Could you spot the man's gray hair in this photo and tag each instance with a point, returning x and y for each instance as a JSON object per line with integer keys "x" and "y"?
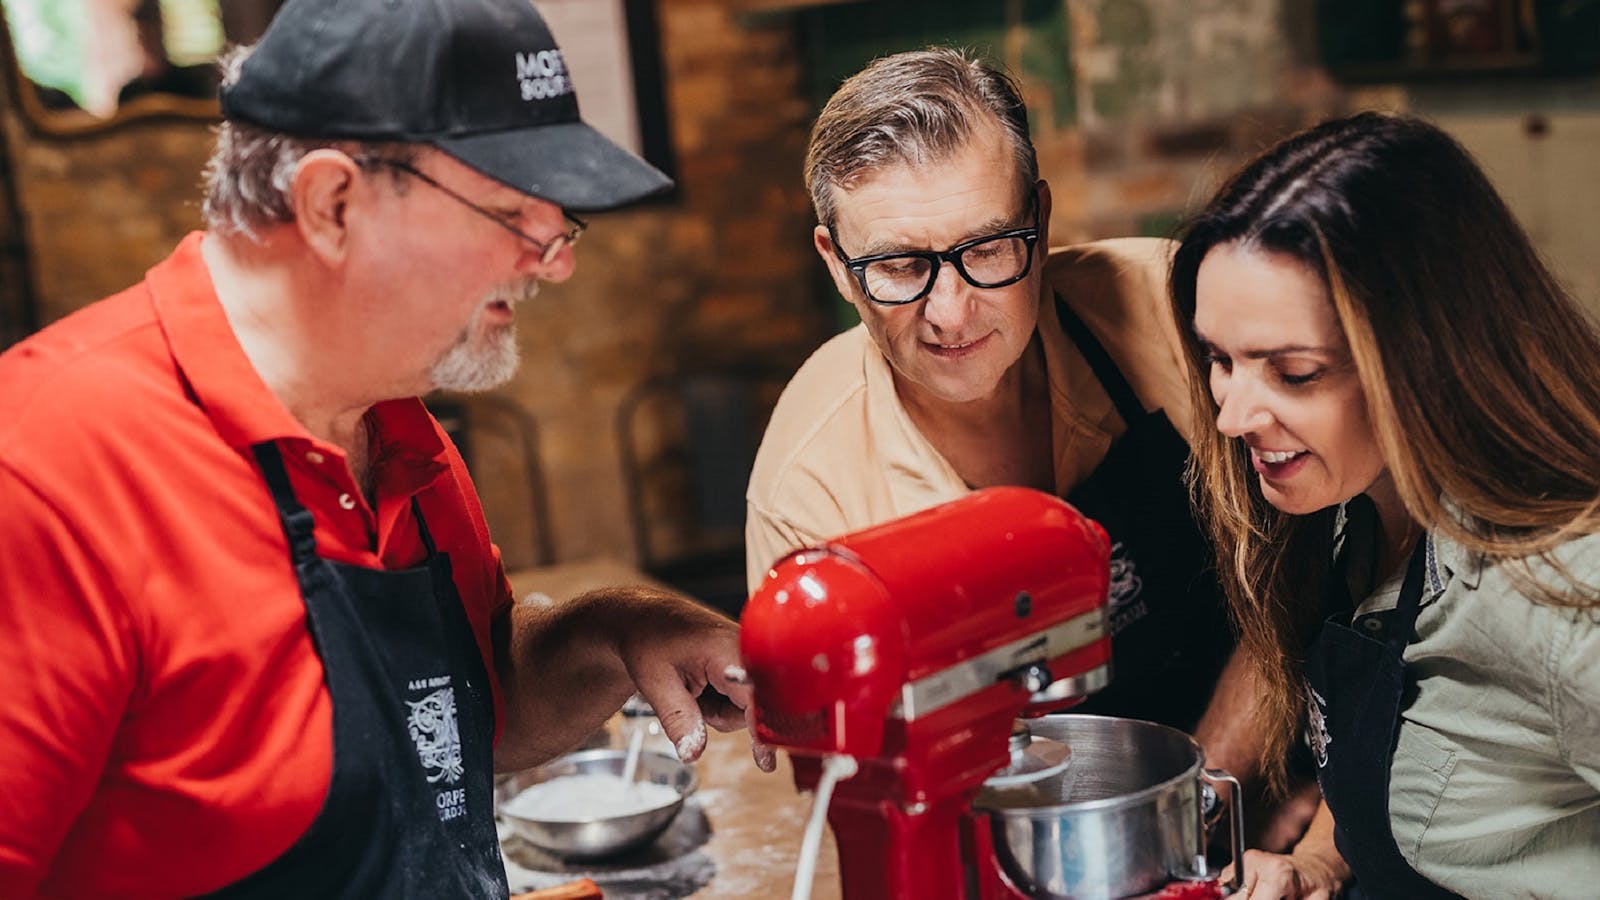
{"x": 251, "y": 169}
{"x": 911, "y": 108}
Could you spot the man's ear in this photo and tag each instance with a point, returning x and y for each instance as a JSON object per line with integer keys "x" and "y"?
{"x": 1043, "y": 187}
{"x": 324, "y": 185}
{"x": 823, "y": 241}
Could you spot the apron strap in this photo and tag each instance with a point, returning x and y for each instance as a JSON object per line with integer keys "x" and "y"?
{"x": 1359, "y": 554}
{"x": 1100, "y": 362}
{"x": 1351, "y": 575}
{"x": 422, "y": 527}
{"x": 298, "y": 523}
{"x": 1411, "y": 594}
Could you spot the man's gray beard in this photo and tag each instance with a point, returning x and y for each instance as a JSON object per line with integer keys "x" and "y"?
{"x": 484, "y": 362}
{"x": 478, "y": 365}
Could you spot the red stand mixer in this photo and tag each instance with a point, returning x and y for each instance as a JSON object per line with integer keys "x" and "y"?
{"x": 913, "y": 647}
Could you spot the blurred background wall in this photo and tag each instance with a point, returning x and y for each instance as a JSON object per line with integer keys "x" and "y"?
{"x": 1139, "y": 108}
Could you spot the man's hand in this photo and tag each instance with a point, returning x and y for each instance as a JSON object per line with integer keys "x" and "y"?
{"x": 684, "y": 659}
{"x": 564, "y": 668}
{"x": 1269, "y": 876}
{"x": 1314, "y": 871}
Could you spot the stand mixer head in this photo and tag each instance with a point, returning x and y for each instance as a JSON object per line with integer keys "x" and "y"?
{"x": 912, "y": 647}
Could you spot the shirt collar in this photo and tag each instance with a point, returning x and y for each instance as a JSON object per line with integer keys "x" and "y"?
{"x": 1081, "y": 412}
{"x": 408, "y": 442}
{"x": 916, "y": 474}
{"x": 244, "y": 410}
{"x": 208, "y": 354}
{"x": 1449, "y": 560}
{"x": 1445, "y": 560}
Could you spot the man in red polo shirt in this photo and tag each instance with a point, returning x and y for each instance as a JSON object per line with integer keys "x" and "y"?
{"x": 256, "y": 640}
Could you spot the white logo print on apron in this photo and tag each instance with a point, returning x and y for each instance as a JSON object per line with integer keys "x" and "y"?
{"x": 432, "y": 723}
{"x": 1317, "y": 737}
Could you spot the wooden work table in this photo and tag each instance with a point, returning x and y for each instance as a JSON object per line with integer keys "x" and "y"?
{"x": 738, "y": 838}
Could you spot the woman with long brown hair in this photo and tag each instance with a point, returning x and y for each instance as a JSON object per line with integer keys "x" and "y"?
{"x": 1403, "y": 487}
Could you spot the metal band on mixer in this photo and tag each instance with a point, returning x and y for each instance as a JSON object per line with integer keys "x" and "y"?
{"x": 932, "y": 692}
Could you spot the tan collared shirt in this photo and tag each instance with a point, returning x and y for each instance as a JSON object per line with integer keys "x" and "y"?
{"x": 1495, "y": 786}
{"x": 840, "y": 453}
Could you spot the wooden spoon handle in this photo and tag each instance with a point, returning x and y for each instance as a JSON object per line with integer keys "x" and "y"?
{"x": 582, "y": 889}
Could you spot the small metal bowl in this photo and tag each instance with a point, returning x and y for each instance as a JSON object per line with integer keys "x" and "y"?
{"x": 594, "y": 838}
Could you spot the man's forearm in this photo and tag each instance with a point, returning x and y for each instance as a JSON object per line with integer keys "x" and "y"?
{"x": 560, "y": 674}
{"x": 1318, "y": 857}
{"x": 564, "y": 669}
{"x": 1231, "y": 735}
{"x": 1228, "y": 731}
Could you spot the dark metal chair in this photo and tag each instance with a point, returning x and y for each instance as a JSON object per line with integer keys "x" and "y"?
{"x": 500, "y": 442}
{"x": 687, "y": 442}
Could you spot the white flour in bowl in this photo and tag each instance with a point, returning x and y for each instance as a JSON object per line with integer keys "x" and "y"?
{"x": 583, "y": 798}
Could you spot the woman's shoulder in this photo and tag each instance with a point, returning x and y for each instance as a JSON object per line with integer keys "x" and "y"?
{"x": 1581, "y": 557}
{"x": 1492, "y": 625}
{"x": 1571, "y": 569}
{"x": 1528, "y": 614}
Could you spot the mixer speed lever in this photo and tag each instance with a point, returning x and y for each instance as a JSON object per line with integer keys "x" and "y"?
{"x": 1034, "y": 677}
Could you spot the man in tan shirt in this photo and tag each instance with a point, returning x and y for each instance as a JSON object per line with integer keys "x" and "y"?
{"x": 842, "y": 451}
{"x": 982, "y": 361}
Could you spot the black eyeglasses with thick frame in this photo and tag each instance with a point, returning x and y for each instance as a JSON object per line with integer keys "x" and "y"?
{"x": 548, "y": 249}
{"x": 1029, "y": 236}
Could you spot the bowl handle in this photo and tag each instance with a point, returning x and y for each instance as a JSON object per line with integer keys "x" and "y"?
{"x": 1235, "y": 820}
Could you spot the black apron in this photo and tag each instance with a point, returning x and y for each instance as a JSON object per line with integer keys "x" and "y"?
{"x": 410, "y": 808}
{"x": 1357, "y": 676}
{"x": 1169, "y": 618}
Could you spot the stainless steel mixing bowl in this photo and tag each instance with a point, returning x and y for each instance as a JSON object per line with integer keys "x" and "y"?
{"x": 598, "y": 837}
{"x": 1127, "y": 816}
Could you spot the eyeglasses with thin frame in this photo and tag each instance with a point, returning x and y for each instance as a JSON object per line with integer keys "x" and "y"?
{"x": 548, "y": 250}
{"x": 990, "y": 261}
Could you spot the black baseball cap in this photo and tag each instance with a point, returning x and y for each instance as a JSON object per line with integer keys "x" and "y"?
{"x": 482, "y": 80}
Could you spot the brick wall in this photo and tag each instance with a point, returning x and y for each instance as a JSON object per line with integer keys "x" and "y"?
{"x": 100, "y": 209}
{"x": 721, "y": 276}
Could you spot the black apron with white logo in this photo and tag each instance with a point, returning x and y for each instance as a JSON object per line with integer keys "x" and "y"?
{"x": 410, "y": 807}
{"x": 1357, "y": 678}
{"x": 1169, "y": 619}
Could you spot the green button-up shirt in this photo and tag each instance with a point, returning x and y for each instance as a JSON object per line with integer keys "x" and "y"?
{"x": 1495, "y": 786}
